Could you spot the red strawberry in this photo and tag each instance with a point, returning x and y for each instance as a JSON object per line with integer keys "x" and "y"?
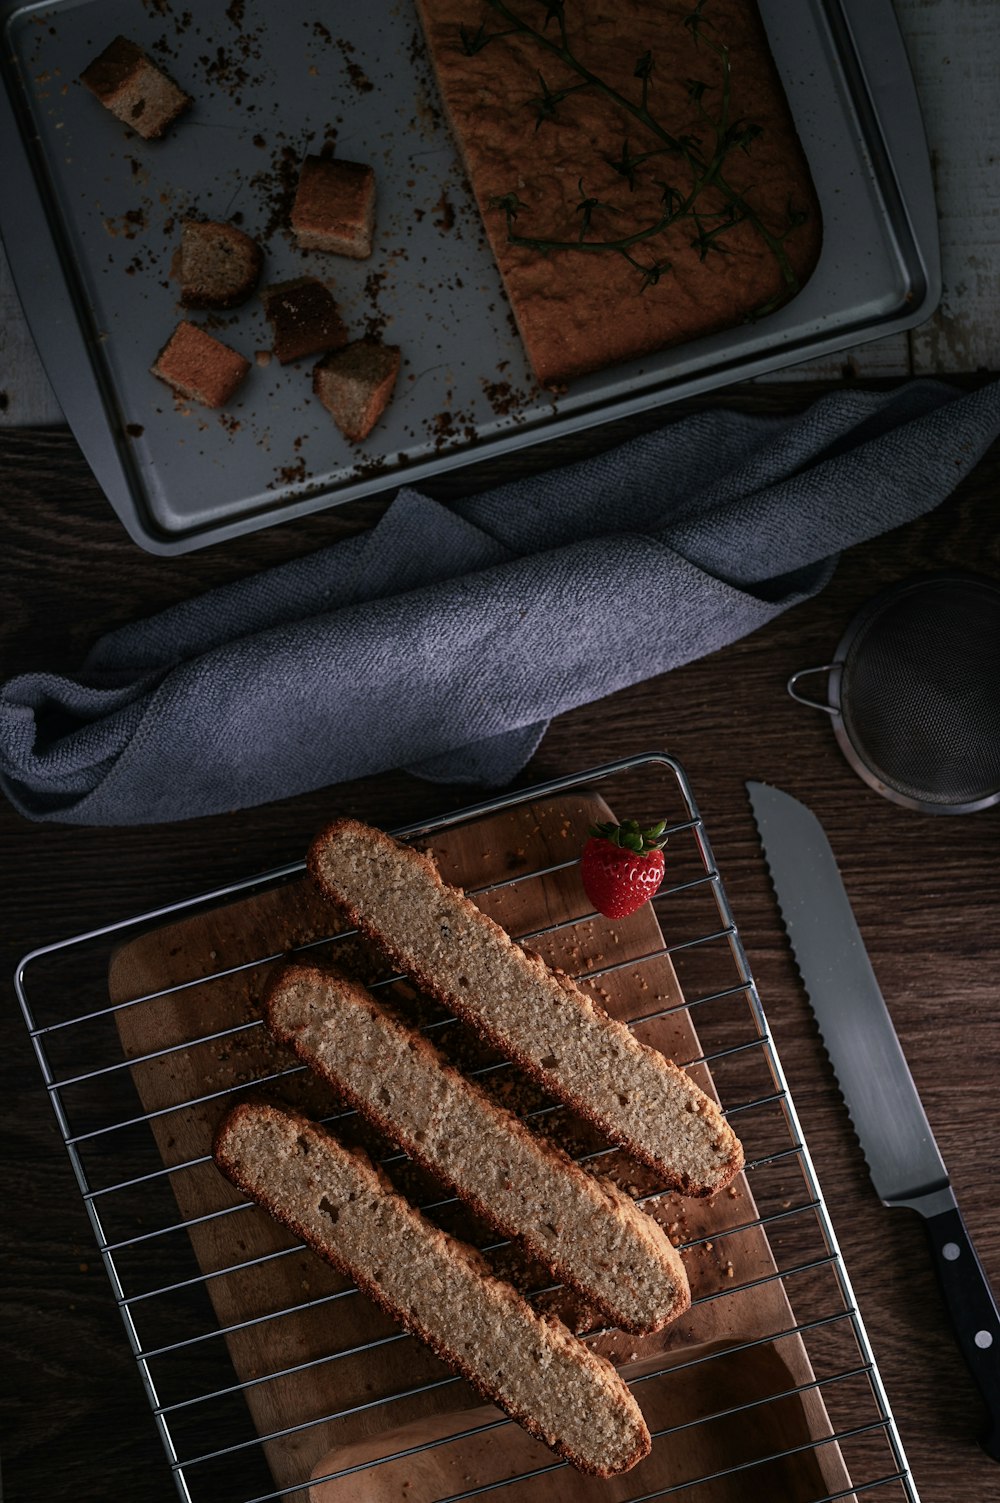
{"x": 622, "y": 866}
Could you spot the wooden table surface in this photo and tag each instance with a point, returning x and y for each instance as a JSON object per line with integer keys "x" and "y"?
{"x": 925, "y": 890}
{"x": 76, "y": 1423}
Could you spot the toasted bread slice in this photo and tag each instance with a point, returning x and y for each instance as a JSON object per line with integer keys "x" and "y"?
{"x": 581, "y": 1226}
{"x": 436, "y": 1287}
{"x": 540, "y": 1018}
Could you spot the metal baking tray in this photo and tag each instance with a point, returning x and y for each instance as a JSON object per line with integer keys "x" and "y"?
{"x": 734, "y": 1440}
{"x": 89, "y": 216}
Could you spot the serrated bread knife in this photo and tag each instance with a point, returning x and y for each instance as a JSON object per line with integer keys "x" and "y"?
{"x": 903, "y": 1158}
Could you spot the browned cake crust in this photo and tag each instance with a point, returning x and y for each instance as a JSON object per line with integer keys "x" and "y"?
{"x": 540, "y": 1018}
{"x": 581, "y": 165}
{"x": 581, "y": 1226}
{"x": 438, "y": 1288}
{"x": 135, "y": 89}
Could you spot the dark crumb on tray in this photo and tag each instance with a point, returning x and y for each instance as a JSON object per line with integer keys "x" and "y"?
{"x": 278, "y": 185}
{"x": 359, "y": 78}
{"x": 445, "y": 213}
{"x": 293, "y": 474}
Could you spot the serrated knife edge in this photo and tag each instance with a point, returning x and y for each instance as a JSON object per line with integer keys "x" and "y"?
{"x": 805, "y": 984}
{"x": 854, "y": 1023}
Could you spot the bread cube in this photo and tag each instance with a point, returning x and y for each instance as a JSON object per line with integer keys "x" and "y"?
{"x": 334, "y": 208}
{"x": 135, "y": 89}
{"x": 200, "y": 367}
{"x": 355, "y": 385}
{"x": 304, "y": 319}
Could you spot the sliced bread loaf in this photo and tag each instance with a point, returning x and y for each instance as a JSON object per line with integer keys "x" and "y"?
{"x": 581, "y": 1226}
{"x": 436, "y": 1287}
{"x": 540, "y": 1018}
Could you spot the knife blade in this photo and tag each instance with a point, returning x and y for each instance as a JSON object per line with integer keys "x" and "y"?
{"x": 905, "y": 1164}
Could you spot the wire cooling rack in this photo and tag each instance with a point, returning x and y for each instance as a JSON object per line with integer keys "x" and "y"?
{"x": 199, "y": 1400}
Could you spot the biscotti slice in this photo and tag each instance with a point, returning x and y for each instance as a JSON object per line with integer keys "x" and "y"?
{"x": 436, "y": 1287}
{"x": 541, "y": 1019}
{"x": 334, "y": 207}
{"x": 200, "y": 367}
{"x": 219, "y": 264}
{"x": 585, "y": 1229}
{"x": 355, "y": 385}
{"x": 304, "y": 319}
{"x": 135, "y": 89}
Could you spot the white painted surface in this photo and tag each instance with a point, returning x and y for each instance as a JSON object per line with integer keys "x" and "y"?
{"x": 954, "y": 48}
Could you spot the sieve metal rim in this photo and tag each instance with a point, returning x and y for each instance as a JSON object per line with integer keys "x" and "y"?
{"x": 859, "y": 623}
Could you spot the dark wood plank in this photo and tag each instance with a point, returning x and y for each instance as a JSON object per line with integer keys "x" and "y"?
{"x": 925, "y": 891}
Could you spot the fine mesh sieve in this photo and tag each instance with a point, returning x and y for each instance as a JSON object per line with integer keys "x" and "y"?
{"x": 914, "y": 693}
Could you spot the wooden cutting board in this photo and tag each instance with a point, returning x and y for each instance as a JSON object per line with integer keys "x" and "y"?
{"x": 373, "y": 1390}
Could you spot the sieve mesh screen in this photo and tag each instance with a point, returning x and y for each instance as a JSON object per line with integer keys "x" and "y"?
{"x": 920, "y": 691}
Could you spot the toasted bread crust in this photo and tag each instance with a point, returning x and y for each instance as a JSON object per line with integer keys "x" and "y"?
{"x": 580, "y": 1226}
{"x": 679, "y": 1122}
{"x": 276, "y": 1156}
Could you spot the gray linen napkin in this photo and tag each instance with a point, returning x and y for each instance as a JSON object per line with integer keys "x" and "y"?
{"x": 445, "y": 639}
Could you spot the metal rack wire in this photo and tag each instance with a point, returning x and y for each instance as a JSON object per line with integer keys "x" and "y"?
{"x": 198, "y": 1398}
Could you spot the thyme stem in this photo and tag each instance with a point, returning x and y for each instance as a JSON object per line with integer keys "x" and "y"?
{"x": 704, "y": 175}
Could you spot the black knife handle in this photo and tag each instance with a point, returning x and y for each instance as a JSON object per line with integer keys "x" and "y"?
{"x": 973, "y": 1311}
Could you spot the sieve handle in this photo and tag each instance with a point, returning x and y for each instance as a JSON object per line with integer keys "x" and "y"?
{"x": 803, "y": 699}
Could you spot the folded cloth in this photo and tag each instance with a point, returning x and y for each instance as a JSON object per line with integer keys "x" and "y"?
{"x": 445, "y": 639}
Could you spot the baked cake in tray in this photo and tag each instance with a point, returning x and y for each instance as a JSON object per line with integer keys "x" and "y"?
{"x": 636, "y": 166}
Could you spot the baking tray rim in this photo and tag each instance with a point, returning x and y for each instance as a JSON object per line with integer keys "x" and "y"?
{"x": 863, "y": 29}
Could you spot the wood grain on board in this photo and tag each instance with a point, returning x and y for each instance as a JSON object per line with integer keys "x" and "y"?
{"x": 296, "y": 1379}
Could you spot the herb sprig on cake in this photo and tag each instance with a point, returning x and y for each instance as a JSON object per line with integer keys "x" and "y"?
{"x": 636, "y": 165}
